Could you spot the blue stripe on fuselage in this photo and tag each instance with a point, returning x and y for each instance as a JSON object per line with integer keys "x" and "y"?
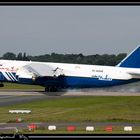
{"x": 81, "y": 82}
{"x": 4, "y": 79}
{"x": 70, "y": 81}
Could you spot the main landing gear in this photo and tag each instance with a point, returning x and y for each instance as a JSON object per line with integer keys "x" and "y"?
{"x": 51, "y": 89}
{"x": 1, "y": 85}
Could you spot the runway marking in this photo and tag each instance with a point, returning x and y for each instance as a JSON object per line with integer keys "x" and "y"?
{"x": 20, "y": 93}
{"x": 101, "y": 94}
{"x": 6, "y": 97}
{"x": 67, "y": 94}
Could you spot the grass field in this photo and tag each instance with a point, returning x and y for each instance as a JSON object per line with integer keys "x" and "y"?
{"x": 15, "y": 86}
{"x": 78, "y": 109}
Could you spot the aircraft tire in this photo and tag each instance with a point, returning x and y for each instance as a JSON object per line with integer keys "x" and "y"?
{"x": 1, "y": 85}
{"x": 51, "y": 89}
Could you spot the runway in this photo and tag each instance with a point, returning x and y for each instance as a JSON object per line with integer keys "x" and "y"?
{"x": 16, "y": 97}
{"x": 11, "y": 97}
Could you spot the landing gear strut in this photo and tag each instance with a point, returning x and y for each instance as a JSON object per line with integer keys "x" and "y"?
{"x": 1, "y": 85}
{"x": 51, "y": 89}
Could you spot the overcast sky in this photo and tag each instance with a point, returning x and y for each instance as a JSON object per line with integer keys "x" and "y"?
{"x": 39, "y": 30}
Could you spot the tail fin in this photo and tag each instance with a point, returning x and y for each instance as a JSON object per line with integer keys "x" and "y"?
{"x": 132, "y": 60}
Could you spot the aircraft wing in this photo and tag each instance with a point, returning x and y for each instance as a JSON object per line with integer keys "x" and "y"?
{"x": 39, "y": 70}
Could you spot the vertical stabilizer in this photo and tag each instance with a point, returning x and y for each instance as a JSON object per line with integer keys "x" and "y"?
{"x": 132, "y": 60}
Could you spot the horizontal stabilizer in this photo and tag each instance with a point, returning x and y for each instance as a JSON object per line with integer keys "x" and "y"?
{"x": 135, "y": 75}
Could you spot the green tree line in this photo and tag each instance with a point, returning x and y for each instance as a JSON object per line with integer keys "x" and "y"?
{"x": 96, "y": 59}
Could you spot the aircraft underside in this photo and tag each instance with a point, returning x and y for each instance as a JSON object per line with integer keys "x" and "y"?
{"x": 54, "y": 84}
{"x": 63, "y": 82}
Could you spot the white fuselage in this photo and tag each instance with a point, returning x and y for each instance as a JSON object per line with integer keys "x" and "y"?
{"x": 76, "y": 70}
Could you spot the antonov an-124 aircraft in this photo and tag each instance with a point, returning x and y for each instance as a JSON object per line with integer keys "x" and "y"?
{"x": 57, "y": 76}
